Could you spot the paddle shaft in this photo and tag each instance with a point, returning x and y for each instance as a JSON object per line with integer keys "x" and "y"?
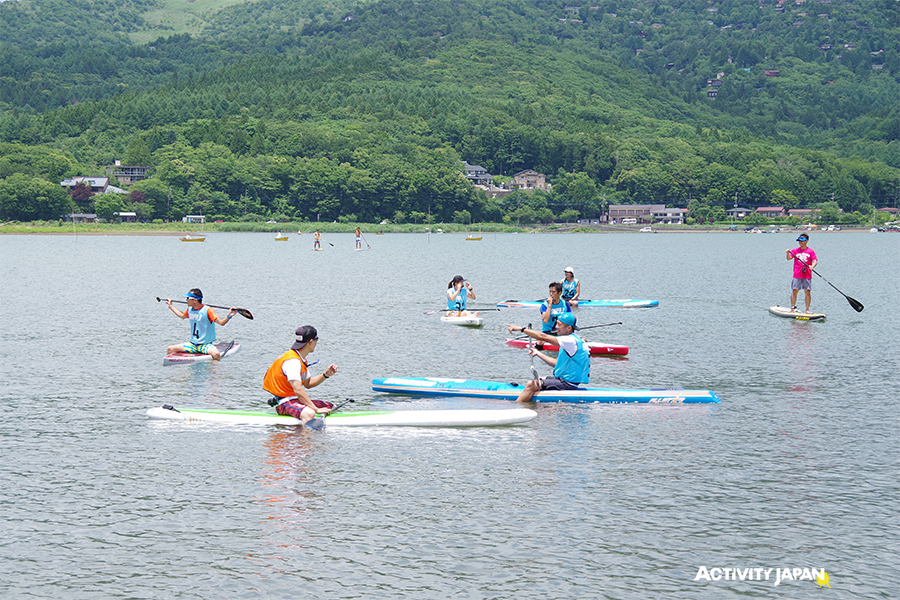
{"x": 856, "y": 304}
{"x": 553, "y": 331}
{"x": 241, "y": 311}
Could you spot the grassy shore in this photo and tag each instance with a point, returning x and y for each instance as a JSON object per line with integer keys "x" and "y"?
{"x": 62, "y": 228}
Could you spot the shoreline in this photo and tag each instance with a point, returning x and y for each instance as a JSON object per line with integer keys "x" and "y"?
{"x": 117, "y": 230}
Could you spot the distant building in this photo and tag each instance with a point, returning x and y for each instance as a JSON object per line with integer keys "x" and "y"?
{"x": 771, "y": 212}
{"x": 477, "y": 174}
{"x": 771, "y": 72}
{"x": 671, "y": 216}
{"x": 80, "y": 217}
{"x": 126, "y": 217}
{"x": 129, "y": 175}
{"x": 529, "y": 179}
{"x": 97, "y": 185}
{"x": 643, "y": 213}
{"x": 193, "y": 219}
{"x": 738, "y": 212}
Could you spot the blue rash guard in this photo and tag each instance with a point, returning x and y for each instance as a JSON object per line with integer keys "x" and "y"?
{"x": 203, "y": 331}
{"x": 569, "y": 288}
{"x": 557, "y": 309}
{"x": 460, "y": 302}
{"x": 574, "y": 368}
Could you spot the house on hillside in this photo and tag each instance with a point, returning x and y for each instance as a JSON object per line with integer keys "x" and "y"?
{"x": 477, "y": 174}
{"x": 97, "y": 185}
{"x": 529, "y": 179}
{"x": 128, "y": 175}
{"x": 771, "y": 212}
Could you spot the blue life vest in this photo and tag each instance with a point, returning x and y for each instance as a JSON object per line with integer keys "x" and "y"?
{"x": 574, "y": 369}
{"x": 203, "y": 331}
{"x": 569, "y": 288}
{"x": 460, "y": 302}
{"x": 556, "y": 310}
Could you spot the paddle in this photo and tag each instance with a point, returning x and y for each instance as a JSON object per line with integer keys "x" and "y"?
{"x": 534, "y": 372}
{"x": 856, "y": 304}
{"x": 318, "y": 423}
{"x": 241, "y": 311}
{"x": 364, "y": 239}
{"x": 432, "y": 312}
{"x": 553, "y": 332}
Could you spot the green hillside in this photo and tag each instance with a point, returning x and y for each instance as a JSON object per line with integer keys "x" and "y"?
{"x": 310, "y": 109}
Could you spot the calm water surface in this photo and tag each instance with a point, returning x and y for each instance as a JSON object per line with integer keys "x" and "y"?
{"x": 797, "y": 467}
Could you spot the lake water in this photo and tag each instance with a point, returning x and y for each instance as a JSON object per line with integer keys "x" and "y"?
{"x": 796, "y": 468}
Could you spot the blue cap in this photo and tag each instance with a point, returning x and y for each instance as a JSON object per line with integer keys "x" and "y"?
{"x": 803, "y": 238}
{"x": 567, "y": 318}
{"x": 194, "y": 296}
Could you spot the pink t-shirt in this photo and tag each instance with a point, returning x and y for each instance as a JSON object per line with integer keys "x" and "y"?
{"x": 801, "y": 271}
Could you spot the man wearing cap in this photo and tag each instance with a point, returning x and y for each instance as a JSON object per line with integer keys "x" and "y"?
{"x": 203, "y": 325}
{"x": 288, "y": 378}
{"x": 804, "y": 262}
{"x": 572, "y": 365}
{"x": 571, "y": 287}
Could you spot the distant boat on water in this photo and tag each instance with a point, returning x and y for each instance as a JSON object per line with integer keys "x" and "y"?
{"x": 190, "y": 238}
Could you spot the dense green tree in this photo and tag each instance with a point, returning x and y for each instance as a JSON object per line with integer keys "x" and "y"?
{"x": 25, "y": 198}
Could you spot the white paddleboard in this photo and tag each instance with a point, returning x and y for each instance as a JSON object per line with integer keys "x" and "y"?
{"x": 785, "y": 313}
{"x": 184, "y": 358}
{"x": 466, "y": 321}
{"x": 375, "y": 418}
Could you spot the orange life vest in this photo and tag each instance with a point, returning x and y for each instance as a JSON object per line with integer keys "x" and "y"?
{"x": 275, "y": 382}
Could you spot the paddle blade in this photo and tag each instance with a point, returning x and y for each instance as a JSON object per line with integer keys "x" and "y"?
{"x": 315, "y": 424}
{"x": 244, "y": 313}
{"x": 856, "y": 304}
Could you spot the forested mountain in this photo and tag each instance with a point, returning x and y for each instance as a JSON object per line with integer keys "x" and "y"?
{"x": 365, "y": 111}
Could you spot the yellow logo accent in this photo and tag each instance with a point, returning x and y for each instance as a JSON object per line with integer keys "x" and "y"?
{"x": 823, "y": 579}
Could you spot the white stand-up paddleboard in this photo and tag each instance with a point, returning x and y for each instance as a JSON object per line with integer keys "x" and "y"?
{"x": 466, "y": 321}
{"x": 374, "y": 418}
{"x": 184, "y": 358}
{"x": 785, "y": 313}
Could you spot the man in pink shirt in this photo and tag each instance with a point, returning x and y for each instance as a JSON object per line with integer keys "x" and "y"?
{"x": 804, "y": 262}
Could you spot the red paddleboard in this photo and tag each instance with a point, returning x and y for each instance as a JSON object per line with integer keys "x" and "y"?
{"x": 596, "y": 349}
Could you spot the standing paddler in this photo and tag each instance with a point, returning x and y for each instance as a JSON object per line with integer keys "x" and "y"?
{"x": 804, "y": 262}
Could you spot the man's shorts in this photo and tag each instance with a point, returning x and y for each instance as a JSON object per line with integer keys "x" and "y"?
{"x": 801, "y": 284}
{"x": 294, "y": 407}
{"x": 555, "y": 383}
{"x": 192, "y": 348}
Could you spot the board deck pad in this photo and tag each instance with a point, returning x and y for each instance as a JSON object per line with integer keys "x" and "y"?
{"x": 185, "y": 358}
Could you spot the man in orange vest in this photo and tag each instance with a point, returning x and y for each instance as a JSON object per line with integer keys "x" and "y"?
{"x": 288, "y": 379}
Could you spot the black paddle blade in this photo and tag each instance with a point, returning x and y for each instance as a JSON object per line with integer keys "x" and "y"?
{"x": 315, "y": 424}
{"x": 856, "y": 304}
{"x": 244, "y": 313}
